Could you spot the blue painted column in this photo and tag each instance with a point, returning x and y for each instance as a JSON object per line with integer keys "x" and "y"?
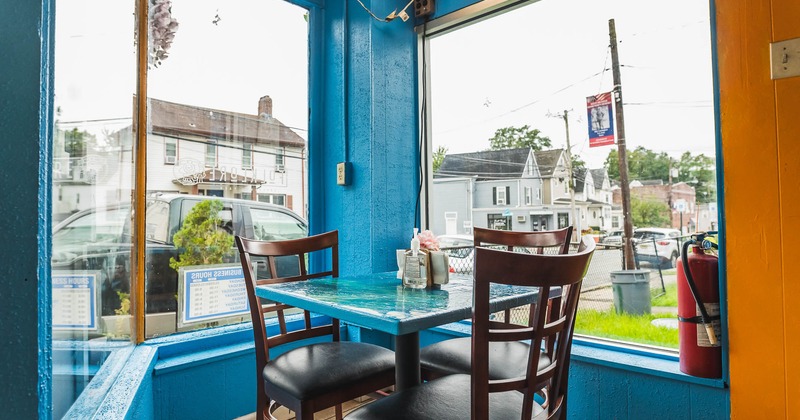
{"x": 369, "y": 118}
{"x": 25, "y": 122}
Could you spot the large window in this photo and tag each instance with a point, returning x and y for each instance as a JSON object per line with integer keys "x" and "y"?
{"x": 502, "y": 86}
{"x": 218, "y": 106}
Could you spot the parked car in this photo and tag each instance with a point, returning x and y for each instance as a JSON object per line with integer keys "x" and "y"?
{"x": 99, "y": 240}
{"x": 658, "y": 246}
{"x": 460, "y": 249}
{"x": 613, "y": 237}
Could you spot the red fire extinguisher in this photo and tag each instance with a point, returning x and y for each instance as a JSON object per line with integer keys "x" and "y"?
{"x": 698, "y": 309}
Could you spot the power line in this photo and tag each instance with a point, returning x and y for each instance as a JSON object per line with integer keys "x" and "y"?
{"x": 523, "y": 106}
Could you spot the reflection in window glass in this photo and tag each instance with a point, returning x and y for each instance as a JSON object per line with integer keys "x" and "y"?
{"x": 524, "y": 120}
{"x": 270, "y": 225}
{"x": 228, "y": 105}
{"x": 170, "y": 152}
{"x": 92, "y": 172}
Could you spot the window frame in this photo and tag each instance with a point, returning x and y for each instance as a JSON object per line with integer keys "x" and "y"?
{"x": 452, "y": 22}
{"x": 247, "y": 156}
{"x": 140, "y": 140}
{"x": 167, "y": 143}
{"x": 211, "y": 153}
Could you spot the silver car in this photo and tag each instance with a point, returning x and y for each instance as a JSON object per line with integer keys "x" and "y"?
{"x": 658, "y": 246}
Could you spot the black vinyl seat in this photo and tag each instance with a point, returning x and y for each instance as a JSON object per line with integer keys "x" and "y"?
{"x": 506, "y": 359}
{"x": 314, "y": 370}
{"x": 442, "y": 399}
{"x": 477, "y": 395}
{"x": 310, "y": 377}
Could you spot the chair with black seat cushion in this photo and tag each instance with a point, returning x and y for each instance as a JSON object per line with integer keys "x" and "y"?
{"x": 311, "y": 377}
{"x": 507, "y": 359}
{"x": 476, "y": 395}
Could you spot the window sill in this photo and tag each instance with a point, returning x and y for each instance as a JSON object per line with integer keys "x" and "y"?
{"x": 635, "y": 359}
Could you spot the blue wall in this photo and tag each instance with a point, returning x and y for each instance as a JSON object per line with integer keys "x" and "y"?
{"x": 368, "y": 117}
{"x": 25, "y": 177}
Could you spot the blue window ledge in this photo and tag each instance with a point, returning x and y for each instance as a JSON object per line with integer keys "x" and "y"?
{"x": 214, "y": 368}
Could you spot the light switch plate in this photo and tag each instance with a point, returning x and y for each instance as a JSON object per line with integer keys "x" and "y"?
{"x": 785, "y": 58}
{"x": 344, "y": 172}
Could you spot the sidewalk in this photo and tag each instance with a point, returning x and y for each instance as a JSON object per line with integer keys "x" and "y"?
{"x": 602, "y": 298}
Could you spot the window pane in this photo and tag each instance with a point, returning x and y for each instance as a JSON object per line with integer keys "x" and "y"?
{"x": 513, "y": 127}
{"x": 247, "y": 156}
{"x": 229, "y": 105}
{"x": 92, "y": 173}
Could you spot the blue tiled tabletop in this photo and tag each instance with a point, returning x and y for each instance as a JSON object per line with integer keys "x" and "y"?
{"x": 379, "y": 301}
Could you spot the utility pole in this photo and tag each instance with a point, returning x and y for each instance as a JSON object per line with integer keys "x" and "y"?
{"x": 576, "y": 231}
{"x": 669, "y": 196}
{"x": 623, "y": 159}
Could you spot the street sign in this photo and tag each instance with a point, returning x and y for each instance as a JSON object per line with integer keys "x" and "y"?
{"x": 601, "y": 125}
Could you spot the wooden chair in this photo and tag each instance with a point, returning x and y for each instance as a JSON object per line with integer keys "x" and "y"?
{"x": 477, "y": 395}
{"x": 507, "y": 360}
{"x": 311, "y": 377}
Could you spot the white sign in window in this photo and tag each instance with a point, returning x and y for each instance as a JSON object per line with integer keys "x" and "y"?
{"x": 75, "y": 297}
{"x": 209, "y": 293}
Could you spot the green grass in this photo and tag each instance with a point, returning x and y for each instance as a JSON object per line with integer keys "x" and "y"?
{"x": 668, "y": 299}
{"x": 632, "y": 328}
{"x": 626, "y": 327}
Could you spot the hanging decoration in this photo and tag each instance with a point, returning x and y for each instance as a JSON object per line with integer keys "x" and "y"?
{"x": 162, "y": 30}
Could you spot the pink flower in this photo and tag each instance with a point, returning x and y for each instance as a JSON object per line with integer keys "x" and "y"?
{"x": 427, "y": 240}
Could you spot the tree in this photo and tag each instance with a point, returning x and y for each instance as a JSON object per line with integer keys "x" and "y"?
{"x": 438, "y": 157}
{"x": 79, "y": 143}
{"x": 519, "y": 137}
{"x": 578, "y": 163}
{"x": 698, "y": 171}
{"x": 645, "y": 164}
{"x": 202, "y": 238}
{"x": 649, "y": 213}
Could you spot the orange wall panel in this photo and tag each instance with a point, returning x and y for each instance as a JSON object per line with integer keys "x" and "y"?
{"x": 750, "y": 150}
{"x": 788, "y": 106}
{"x": 787, "y": 95}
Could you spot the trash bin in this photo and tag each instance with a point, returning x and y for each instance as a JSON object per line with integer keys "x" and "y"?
{"x": 631, "y": 291}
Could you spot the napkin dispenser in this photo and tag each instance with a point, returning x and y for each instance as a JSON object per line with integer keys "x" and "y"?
{"x": 440, "y": 268}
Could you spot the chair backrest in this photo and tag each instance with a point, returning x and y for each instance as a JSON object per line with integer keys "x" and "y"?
{"x": 535, "y": 242}
{"x": 545, "y": 272}
{"x": 271, "y": 258}
{"x": 539, "y": 242}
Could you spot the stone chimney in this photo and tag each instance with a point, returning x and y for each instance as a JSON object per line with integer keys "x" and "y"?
{"x": 265, "y": 107}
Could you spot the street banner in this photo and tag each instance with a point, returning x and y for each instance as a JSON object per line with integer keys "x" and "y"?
{"x": 601, "y": 125}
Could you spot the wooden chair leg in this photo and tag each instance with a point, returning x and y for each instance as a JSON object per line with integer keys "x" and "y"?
{"x": 304, "y": 412}
{"x": 339, "y": 414}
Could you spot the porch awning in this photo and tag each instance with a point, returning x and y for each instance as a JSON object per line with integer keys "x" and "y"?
{"x": 217, "y": 176}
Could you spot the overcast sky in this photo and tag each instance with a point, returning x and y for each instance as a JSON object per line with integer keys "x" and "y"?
{"x": 529, "y": 65}
{"x": 523, "y": 67}
{"x": 256, "y": 48}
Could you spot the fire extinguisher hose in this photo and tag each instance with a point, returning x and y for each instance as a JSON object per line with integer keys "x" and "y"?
{"x": 706, "y": 319}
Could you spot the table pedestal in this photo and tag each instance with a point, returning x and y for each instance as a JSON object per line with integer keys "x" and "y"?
{"x": 406, "y": 357}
